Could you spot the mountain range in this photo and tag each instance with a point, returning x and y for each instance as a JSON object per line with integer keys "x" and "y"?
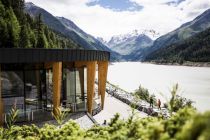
{"x": 69, "y": 29}
{"x": 128, "y": 43}
{"x": 133, "y": 46}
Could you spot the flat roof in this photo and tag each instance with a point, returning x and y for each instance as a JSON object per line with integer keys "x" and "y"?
{"x": 38, "y": 55}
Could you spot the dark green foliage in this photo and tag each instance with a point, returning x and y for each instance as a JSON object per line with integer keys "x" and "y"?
{"x": 195, "y": 49}
{"x": 19, "y": 30}
{"x": 4, "y": 32}
{"x": 13, "y": 28}
{"x": 25, "y": 41}
{"x": 173, "y": 125}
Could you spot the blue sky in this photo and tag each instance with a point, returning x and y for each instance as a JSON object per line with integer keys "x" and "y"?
{"x": 117, "y": 5}
{"x": 106, "y": 18}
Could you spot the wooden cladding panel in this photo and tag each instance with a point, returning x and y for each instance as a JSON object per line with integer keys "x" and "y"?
{"x": 102, "y": 77}
{"x": 57, "y": 79}
{"x": 91, "y": 71}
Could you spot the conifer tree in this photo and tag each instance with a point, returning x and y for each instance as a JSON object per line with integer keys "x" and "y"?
{"x": 13, "y": 28}
{"x": 33, "y": 39}
{"x": 4, "y": 33}
{"x": 3, "y": 27}
{"x": 25, "y": 37}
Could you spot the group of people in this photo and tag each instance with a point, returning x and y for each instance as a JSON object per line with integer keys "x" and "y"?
{"x": 158, "y": 103}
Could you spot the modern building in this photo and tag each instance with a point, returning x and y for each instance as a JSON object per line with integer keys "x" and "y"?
{"x": 37, "y": 81}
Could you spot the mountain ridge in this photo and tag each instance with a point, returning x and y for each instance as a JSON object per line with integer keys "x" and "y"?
{"x": 193, "y": 49}
{"x": 186, "y": 30}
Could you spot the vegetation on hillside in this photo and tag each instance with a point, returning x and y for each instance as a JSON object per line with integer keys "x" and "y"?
{"x": 195, "y": 49}
{"x": 19, "y": 30}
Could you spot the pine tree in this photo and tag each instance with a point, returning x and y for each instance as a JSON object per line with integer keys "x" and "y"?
{"x": 13, "y": 28}
{"x": 41, "y": 41}
{"x": 18, "y": 8}
{"x": 41, "y": 38}
{"x": 33, "y": 39}
{"x": 4, "y": 33}
{"x": 25, "y": 37}
{"x": 3, "y": 27}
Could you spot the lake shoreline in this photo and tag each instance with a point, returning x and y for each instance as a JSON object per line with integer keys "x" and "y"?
{"x": 187, "y": 63}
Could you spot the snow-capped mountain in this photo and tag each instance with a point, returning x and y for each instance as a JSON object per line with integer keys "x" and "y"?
{"x": 127, "y": 43}
{"x": 118, "y": 39}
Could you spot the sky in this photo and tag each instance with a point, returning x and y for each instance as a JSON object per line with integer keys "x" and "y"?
{"x": 106, "y": 18}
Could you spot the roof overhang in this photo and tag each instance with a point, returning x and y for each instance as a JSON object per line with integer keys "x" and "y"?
{"x": 19, "y": 55}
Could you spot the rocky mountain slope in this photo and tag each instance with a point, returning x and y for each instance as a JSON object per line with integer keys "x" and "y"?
{"x": 187, "y": 30}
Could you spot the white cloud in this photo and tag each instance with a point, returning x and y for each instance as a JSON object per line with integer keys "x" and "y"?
{"x": 105, "y": 23}
{"x": 193, "y": 8}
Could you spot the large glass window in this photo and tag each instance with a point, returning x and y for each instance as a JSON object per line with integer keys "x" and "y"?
{"x": 12, "y": 90}
{"x": 75, "y": 97}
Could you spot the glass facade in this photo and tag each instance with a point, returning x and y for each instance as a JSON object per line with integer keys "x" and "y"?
{"x": 31, "y": 91}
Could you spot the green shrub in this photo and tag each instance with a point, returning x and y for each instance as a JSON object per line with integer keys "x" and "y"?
{"x": 143, "y": 94}
{"x": 186, "y": 124}
{"x": 197, "y": 128}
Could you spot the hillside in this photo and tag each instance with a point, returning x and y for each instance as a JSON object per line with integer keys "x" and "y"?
{"x": 19, "y": 30}
{"x": 195, "y": 49}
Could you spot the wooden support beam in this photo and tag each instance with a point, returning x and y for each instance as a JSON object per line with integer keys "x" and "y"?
{"x": 102, "y": 77}
{"x": 57, "y": 76}
{"x": 1, "y": 103}
{"x": 91, "y": 71}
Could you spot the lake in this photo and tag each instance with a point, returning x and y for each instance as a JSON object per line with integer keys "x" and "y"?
{"x": 194, "y": 82}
